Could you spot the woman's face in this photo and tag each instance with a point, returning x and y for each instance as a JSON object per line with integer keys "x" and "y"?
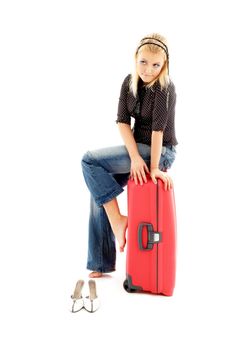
{"x": 149, "y": 65}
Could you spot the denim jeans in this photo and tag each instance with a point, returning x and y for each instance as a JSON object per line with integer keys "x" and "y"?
{"x": 106, "y": 171}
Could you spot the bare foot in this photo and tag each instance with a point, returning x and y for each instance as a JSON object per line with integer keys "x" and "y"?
{"x": 119, "y": 230}
{"x": 95, "y": 274}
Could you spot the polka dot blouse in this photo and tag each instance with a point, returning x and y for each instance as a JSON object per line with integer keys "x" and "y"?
{"x": 153, "y": 109}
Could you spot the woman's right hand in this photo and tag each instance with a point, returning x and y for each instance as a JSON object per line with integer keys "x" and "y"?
{"x": 138, "y": 170}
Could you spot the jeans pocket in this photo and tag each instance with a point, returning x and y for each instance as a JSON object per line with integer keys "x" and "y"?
{"x": 168, "y": 157}
{"x": 164, "y": 149}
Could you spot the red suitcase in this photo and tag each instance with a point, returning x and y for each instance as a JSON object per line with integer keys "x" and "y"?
{"x": 151, "y": 238}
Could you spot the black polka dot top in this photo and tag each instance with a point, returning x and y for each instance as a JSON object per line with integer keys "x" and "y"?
{"x": 153, "y": 109}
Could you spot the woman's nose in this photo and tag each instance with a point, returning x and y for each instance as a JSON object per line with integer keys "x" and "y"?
{"x": 149, "y": 70}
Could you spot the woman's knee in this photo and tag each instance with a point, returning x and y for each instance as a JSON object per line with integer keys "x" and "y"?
{"x": 113, "y": 159}
{"x": 87, "y": 158}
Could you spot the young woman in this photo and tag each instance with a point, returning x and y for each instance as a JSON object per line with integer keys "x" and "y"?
{"x": 147, "y": 95}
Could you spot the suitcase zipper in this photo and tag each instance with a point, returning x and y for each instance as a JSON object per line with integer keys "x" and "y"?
{"x": 157, "y": 245}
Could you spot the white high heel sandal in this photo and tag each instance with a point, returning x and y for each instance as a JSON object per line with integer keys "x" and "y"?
{"x": 78, "y": 303}
{"x": 91, "y": 302}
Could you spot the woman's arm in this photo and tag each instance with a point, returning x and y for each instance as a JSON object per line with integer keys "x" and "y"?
{"x": 128, "y": 138}
{"x": 156, "y": 149}
{"x": 155, "y": 172}
{"x": 138, "y": 168}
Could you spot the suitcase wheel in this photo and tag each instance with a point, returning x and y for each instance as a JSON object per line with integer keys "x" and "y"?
{"x": 127, "y": 288}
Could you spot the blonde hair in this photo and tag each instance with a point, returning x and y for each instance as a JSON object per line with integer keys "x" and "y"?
{"x": 161, "y": 46}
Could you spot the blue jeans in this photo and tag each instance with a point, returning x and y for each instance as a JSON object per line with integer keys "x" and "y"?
{"x": 106, "y": 171}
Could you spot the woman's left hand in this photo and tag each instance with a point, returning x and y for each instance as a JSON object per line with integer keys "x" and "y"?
{"x": 157, "y": 173}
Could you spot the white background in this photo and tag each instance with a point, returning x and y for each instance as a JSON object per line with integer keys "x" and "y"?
{"x": 62, "y": 64}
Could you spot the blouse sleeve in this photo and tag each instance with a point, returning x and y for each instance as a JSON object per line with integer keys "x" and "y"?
{"x": 161, "y": 107}
{"x": 123, "y": 115}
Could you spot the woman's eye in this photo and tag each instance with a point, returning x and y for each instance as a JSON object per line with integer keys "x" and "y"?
{"x": 156, "y": 65}
{"x": 142, "y": 61}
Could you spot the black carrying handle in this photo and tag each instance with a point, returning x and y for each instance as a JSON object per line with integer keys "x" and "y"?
{"x": 152, "y": 236}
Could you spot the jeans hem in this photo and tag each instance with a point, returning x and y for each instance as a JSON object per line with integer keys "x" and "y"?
{"x": 107, "y": 198}
{"x": 104, "y": 270}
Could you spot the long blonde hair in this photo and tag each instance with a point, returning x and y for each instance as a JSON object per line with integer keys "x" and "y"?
{"x": 161, "y": 46}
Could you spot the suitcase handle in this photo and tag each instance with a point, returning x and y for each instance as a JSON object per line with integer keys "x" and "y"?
{"x": 152, "y": 236}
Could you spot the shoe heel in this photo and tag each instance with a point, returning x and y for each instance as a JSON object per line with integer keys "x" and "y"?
{"x": 92, "y": 303}
{"x": 77, "y": 297}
